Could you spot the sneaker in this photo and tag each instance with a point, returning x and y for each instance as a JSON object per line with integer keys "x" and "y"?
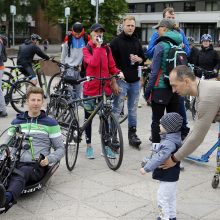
{"x": 115, "y": 144}
{"x": 110, "y": 154}
{"x": 2, "y": 196}
{"x": 3, "y": 114}
{"x": 89, "y": 153}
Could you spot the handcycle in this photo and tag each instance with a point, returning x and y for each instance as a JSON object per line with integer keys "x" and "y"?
{"x": 109, "y": 127}
{"x": 10, "y": 154}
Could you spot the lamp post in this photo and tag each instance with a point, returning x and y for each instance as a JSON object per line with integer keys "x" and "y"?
{"x": 96, "y": 3}
{"x": 67, "y": 14}
{"x": 13, "y": 13}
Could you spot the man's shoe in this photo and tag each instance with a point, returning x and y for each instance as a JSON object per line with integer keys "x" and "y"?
{"x": 89, "y": 153}
{"x": 3, "y": 114}
{"x": 2, "y": 196}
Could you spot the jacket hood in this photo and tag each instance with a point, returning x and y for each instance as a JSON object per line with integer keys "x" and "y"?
{"x": 173, "y": 137}
{"x": 174, "y": 36}
{"x": 26, "y": 116}
{"x": 27, "y": 41}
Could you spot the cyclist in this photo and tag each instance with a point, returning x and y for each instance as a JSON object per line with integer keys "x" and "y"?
{"x": 207, "y": 93}
{"x": 192, "y": 58}
{"x": 46, "y": 134}
{"x": 100, "y": 63}
{"x": 207, "y": 58}
{"x": 72, "y": 52}
{"x": 3, "y": 43}
{"x": 26, "y": 54}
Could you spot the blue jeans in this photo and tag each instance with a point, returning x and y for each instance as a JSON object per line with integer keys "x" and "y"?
{"x": 131, "y": 90}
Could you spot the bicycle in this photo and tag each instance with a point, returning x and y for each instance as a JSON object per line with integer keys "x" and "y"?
{"x": 10, "y": 154}
{"x": 109, "y": 128}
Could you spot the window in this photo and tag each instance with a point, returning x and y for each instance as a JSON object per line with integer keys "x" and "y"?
{"x": 189, "y": 6}
{"x": 149, "y": 8}
{"x": 131, "y": 8}
{"x": 211, "y": 6}
{"x": 168, "y": 5}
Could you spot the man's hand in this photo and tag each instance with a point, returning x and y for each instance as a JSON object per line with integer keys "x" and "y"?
{"x": 115, "y": 87}
{"x": 121, "y": 75}
{"x": 142, "y": 171}
{"x": 136, "y": 58}
{"x": 168, "y": 164}
{"x": 44, "y": 162}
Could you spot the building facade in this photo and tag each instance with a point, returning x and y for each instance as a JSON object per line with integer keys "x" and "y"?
{"x": 195, "y": 17}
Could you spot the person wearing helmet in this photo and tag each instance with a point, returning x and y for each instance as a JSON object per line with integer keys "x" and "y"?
{"x": 207, "y": 58}
{"x": 3, "y": 43}
{"x": 26, "y": 54}
{"x": 72, "y": 53}
{"x": 194, "y": 51}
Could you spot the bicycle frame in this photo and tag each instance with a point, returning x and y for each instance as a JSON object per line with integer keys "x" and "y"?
{"x": 205, "y": 157}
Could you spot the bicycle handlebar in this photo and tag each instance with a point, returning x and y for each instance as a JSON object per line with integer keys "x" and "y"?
{"x": 66, "y": 66}
{"x": 89, "y": 78}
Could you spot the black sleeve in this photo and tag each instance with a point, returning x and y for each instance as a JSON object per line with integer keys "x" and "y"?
{"x": 141, "y": 53}
{"x": 216, "y": 61}
{"x": 114, "y": 49}
{"x": 41, "y": 54}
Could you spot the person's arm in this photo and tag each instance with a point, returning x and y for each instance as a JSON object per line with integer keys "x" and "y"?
{"x": 64, "y": 53}
{"x": 41, "y": 54}
{"x": 207, "y": 110}
{"x": 152, "y": 44}
{"x": 155, "y": 67}
{"x": 216, "y": 62}
{"x": 92, "y": 59}
{"x": 186, "y": 44}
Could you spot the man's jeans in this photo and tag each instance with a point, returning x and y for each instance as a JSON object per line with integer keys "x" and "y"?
{"x": 131, "y": 90}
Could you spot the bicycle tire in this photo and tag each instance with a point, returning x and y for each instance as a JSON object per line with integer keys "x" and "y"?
{"x": 6, "y": 86}
{"x": 58, "y": 108}
{"x": 5, "y": 163}
{"x": 124, "y": 113}
{"x": 111, "y": 130}
{"x": 72, "y": 144}
{"x": 43, "y": 82}
{"x": 18, "y": 95}
{"x": 53, "y": 82}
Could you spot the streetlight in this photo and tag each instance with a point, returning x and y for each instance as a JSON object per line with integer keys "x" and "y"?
{"x": 13, "y": 13}
{"x": 96, "y": 3}
{"x": 67, "y": 14}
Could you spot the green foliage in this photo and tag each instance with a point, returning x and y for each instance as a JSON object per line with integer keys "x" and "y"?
{"x": 110, "y": 13}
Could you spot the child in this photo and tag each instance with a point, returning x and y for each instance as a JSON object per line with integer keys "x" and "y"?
{"x": 170, "y": 125}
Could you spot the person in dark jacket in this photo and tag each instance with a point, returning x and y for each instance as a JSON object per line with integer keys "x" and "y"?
{"x": 194, "y": 51}
{"x": 170, "y": 125}
{"x": 128, "y": 55}
{"x": 161, "y": 94}
{"x": 26, "y": 54}
{"x": 207, "y": 58}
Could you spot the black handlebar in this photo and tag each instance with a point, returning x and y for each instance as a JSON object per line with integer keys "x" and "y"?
{"x": 65, "y": 66}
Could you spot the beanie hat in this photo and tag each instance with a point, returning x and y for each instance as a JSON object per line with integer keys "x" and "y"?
{"x": 172, "y": 122}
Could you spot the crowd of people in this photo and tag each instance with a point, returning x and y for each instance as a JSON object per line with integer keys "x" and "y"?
{"x": 123, "y": 55}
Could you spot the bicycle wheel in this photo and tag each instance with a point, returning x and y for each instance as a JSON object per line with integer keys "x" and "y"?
{"x": 72, "y": 144}
{"x": 18, "y": 95}
{"x": 53, "y": 83}
{"x": 124, "y": 113}
{"x": 59, "y": 109}
{"x": 112, "y": 141}
{"x": 6, "y": 86}
{"x": 42, "y": 82}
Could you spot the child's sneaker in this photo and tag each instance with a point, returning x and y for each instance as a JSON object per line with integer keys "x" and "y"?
{"x": 89, "y": 153}
{"x": 110, "y": 154}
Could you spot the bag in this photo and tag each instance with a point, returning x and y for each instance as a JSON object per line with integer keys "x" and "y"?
{"x": 162, "y": 96}
{"x": 176, "y": 56}
{"x": 4, "y": 54}
{"x": 84, "y": 65}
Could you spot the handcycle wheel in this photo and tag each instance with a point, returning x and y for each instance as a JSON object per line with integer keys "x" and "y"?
{"x": 18, "y": 95}
{"x": 110, "y": 132}
{"x": 53, "y": 83}
{"x": 215, "y": 181}
{"x": 59, "y": 109}
{"x": 43, "y": 82}
{"x": 72, "y": 144}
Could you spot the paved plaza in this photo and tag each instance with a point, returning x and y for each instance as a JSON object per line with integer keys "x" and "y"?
{"x": 94, "y": 192}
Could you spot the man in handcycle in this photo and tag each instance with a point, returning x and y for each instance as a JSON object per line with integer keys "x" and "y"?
{"x": 45, "y": 133}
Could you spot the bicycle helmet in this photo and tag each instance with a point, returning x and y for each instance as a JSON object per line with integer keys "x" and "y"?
{"x": 206, "y": 37}
{"x": 4, "y": 39}
{"x": 77, "y": 27}
{"x": 35, "y": 37}
{"x": 191, "y": 40}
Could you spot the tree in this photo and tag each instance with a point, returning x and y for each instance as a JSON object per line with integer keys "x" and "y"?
{"x": 110, "y": 13}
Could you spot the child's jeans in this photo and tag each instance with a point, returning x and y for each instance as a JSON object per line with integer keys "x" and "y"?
{"x": 166, "y": 199}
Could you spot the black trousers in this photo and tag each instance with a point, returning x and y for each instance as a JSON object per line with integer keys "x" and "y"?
{"x": 32, "y": 173}
{"x": 158, "y": 111}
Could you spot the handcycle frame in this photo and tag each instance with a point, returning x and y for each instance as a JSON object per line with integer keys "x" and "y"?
{"x": 9, "y": 163}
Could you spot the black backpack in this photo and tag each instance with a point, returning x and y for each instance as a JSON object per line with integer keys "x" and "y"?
{"x": 175, "y": 57}
{"x": 84, "y": 65}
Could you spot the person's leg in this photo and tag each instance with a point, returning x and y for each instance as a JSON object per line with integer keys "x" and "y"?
{"x": 28, "y": 71}
{"x": 3, "y": 112}
{"x": 172, "y": 203}
{"x": 133, "y": 97}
